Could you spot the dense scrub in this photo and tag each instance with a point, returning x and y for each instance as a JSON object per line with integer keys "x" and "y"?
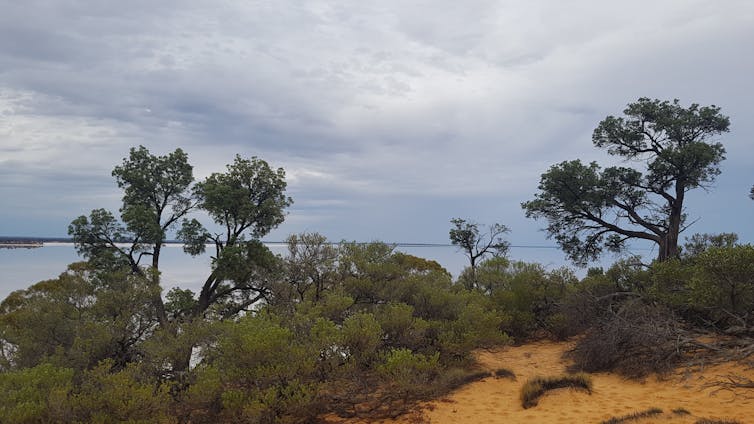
{"x": 358, "y": 330}
{"x": 638, "y": 320}
{"x": 354, "y": 330}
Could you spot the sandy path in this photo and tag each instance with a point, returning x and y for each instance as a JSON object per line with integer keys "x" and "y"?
{"x": 496, "y": 400}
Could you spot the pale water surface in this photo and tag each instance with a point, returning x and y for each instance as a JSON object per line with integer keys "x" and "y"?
{"x": 20, "y": 268}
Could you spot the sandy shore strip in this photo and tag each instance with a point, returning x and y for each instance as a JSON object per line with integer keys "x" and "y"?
{"x": 496, "y": 400}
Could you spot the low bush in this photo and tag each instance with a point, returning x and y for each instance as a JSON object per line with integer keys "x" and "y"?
{"x": 634, "y": 339}
{"x": 634, "y": 416}
{"x": 505, "y": 373}
{"x": 535, "y": 387}
{"x": 458, "y": 377}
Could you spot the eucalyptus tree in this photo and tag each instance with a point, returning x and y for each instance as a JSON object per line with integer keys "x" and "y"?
{"x": 156, "y": 196}
{"x": 588, "y": 208}
{"x": 246, "y": 202}
{"x": 477, "y": 245}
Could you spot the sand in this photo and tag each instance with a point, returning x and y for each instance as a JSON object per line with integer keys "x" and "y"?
{"x": 496, "y": 400}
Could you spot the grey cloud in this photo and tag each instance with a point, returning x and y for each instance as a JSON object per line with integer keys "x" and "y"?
{"x": 374, "y": 109}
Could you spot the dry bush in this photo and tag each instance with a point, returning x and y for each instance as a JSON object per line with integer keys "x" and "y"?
{"x": 505, "y": 373}
{"x": 535, "y": 387}
{"x": 634, "y": 416}
{"x": 370, "y": 397}
{"x": 681, "y": 411}
{"x": 632, "y": 338}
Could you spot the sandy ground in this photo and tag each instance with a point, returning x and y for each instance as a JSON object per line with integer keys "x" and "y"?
{"x": 496, "y": 400}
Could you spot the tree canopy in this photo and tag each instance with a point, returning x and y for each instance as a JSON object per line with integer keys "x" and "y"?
{"x": 155, "y": 196}
{"x": 589, "y": 209}
{"x": 476, "y": 245}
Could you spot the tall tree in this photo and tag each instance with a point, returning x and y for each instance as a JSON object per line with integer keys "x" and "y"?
{"x": 588, "y": 208}
{"x": 475, "y": 245}
{"x": 246, "y": 202}
{"x": 155, "y": 196}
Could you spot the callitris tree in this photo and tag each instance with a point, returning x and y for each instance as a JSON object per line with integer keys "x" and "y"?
{"x": 589, "y": 208}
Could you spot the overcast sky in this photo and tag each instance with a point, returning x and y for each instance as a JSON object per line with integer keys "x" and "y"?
{"x": 390, "y": 118}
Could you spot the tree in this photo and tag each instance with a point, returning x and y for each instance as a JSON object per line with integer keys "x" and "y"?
{"x": 155, "y": 198}
{"x": 699, "y": 243}
{"x": 588, "y": 208}
{"x": 246, "y": 201}
{"x": 476, "y": 246}
{"x": 311, "y": 264}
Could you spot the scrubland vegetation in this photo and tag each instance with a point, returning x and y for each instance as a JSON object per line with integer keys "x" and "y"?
{"x": 356, "y": 329}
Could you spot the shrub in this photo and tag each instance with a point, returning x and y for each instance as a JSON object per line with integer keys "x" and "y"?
{"x": 535, "y": 387}
{"x": 35, "y": 395}
{"x": 362, "y": 335}
{"x": 724, "y": 282}
{"x": 458, "y": 377}
{"x": 634, "y": 340}
{"x": 409, "y": 374}
{"x": 122, "y": 396}
{"x": 634, "y": 416}
{"x": 505, "y": 373}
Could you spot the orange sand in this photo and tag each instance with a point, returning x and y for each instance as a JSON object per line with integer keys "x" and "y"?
{"x": 496, "y": 400}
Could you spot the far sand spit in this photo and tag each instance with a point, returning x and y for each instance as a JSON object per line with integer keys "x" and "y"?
{"x": 496, "y": 400}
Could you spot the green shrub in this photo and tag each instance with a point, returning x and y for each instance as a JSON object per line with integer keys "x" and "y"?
{"x": 362, "y": 336}
{"x": 122, "y": 396}
{"x": 35, "y": 395}
{"x": 724, "y": 282}
{"x": 410, "y": 374}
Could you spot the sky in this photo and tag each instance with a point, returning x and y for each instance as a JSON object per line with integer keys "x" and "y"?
{"x": 389, "y": 118}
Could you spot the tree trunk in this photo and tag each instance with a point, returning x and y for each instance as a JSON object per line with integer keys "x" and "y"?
{"x": 158, "y": 303}
{"x": 669, "y": 244}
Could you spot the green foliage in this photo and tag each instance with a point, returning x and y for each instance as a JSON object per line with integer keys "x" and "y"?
{"x": 409, "y": 374}
{"x": 155, "y": 198}
{"x": 258, "y": 371}
{"x": 362, "y": 336}
{"x": 476, "y": 246}
{"x": 249, "y": 196}
{"x": 79, "y": 319}
{"x": 724, "y": 282}
{"x": 310, "y": 265}
{"x": 589, "y": 209}
{"x": 528, "y": 296}
{"x": 400, "y": 327}
{"x": 698, "y": 243}
{"x": 36, "y": 394}
{"x": 123, "y": 396}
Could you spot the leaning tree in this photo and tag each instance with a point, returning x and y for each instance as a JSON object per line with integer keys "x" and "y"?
{"x": 589, "y": 208}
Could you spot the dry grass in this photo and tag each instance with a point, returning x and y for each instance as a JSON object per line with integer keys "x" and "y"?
{"x": 535, "y": 387}
{"x": 505, "y": 373}
{"x": 634, "y": 416}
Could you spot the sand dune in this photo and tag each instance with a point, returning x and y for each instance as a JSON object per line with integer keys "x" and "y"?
{"x": 496, "y": 400}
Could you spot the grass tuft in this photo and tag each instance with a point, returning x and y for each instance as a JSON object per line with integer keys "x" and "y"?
{"x": 535, "y": 387}
{"x": 454, "y": 381}
{"x": 634, "y": 416}
{"x": 681, "y": 411}
{"x": 505, "y": 373}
